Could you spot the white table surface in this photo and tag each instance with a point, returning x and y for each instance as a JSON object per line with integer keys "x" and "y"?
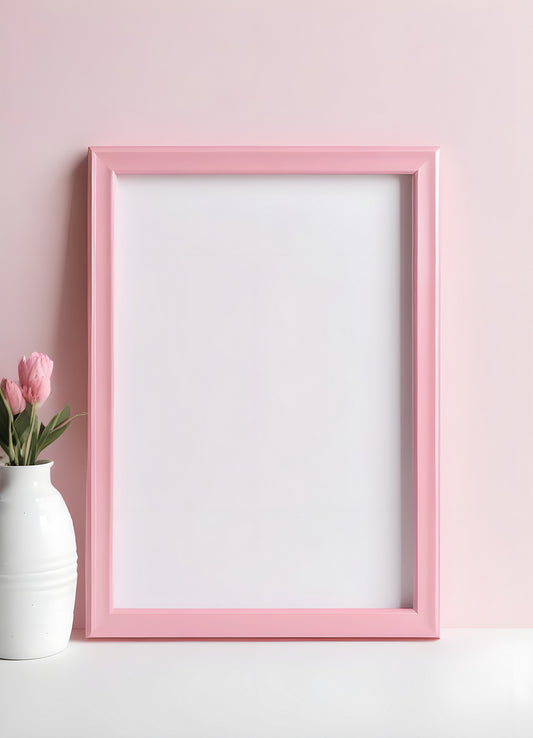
{"x": 470, "y": 683}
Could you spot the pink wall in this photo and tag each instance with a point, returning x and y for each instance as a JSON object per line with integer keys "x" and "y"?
{"x": 455, "y": 73}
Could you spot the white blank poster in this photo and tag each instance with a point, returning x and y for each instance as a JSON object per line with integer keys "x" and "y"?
{"x": 263, "y": 392}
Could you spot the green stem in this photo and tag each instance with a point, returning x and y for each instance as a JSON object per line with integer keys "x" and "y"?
{"x": 32, "y": 423}
{"x": 11, "y": 452}
{"x": 11, "y": 427}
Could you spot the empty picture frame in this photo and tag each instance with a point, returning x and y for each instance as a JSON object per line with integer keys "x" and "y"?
{"x": 263, "y": 452}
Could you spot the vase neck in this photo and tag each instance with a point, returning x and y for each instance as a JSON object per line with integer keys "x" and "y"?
{"x": 34, "y": 475}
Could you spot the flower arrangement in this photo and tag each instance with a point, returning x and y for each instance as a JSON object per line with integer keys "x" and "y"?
{"x": 22, "y": 436}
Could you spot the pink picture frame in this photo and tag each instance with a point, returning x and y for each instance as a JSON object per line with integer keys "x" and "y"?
{"x": 103, "y": 619}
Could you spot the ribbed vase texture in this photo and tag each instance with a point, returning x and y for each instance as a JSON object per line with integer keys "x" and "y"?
{"x": 38, "y": 564}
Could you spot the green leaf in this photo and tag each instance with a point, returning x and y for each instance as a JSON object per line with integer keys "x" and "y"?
{"x": 52, "y": 435}
{"x": 63, "y": 415}
{"x": 4, "y": 417}
{"x": 22, "y": 421}
{"x": 53, "y": 430}
{"x": 45, "y": 431}
{"x": 59, "y": 418}
{"x": 22, "y": 425}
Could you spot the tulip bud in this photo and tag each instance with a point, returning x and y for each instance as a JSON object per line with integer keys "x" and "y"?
{"x": 13, "y": 395}
{"x": 34, "y": 377}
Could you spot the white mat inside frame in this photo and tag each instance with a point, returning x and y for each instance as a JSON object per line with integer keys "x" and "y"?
{"x": 263, "y": 329}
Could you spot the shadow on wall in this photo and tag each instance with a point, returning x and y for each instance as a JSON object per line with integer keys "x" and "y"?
{"x": 70, "y": 371}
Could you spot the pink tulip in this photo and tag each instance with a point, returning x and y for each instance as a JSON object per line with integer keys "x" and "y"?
{"x": 13, "y": 395}
{"x": 34, "y": 377}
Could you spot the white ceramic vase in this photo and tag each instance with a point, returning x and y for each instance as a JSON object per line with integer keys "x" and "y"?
{"x": 38, "y": 564}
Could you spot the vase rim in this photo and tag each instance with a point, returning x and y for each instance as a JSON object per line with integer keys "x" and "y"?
{"x": 41, "y": 463}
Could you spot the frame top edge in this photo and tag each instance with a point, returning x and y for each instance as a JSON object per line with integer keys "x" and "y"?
{"x": 262, "y": 159}
{"x": 319, "y": 148}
